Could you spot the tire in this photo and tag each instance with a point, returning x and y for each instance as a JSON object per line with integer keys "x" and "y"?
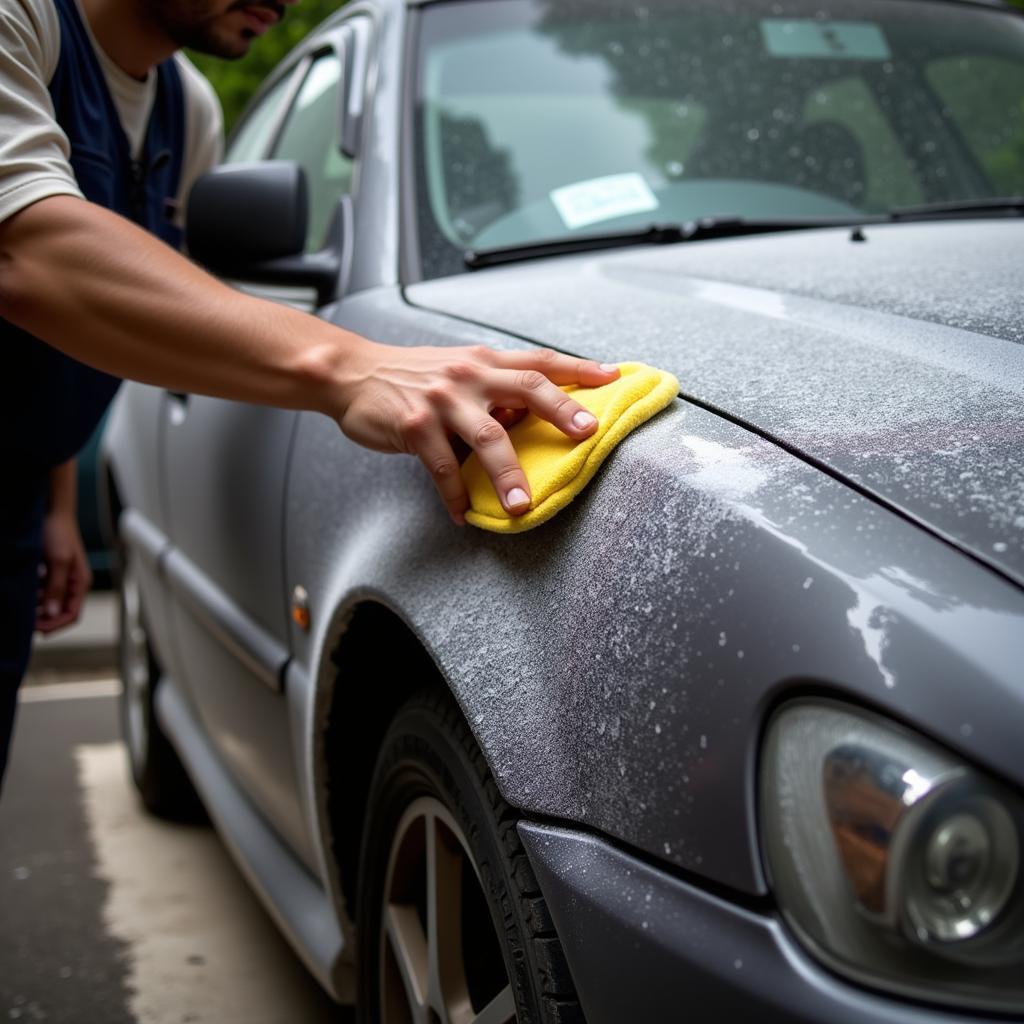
{"x": 160, "y": 779}
{"x": 486, "y": 939}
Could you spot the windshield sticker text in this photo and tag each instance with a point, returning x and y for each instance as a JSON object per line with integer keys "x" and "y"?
{"x": 616, "y": 195}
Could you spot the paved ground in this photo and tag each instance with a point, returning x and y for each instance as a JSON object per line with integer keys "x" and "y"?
{"x": 109, "y": 916}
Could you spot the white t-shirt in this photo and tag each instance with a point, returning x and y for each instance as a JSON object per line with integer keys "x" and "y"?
{"x": 33, "y": 148}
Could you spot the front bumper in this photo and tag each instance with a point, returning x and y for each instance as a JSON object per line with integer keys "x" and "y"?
{"x": 644, "y": 946}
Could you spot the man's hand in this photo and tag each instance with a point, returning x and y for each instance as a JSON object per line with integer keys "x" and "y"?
{"x": 66, "y": 261}
{"x": 66, "y": 576}
{"x": 417, "y": 400}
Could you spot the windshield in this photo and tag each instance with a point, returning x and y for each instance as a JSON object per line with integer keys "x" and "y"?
{"x": 537, "y": 119}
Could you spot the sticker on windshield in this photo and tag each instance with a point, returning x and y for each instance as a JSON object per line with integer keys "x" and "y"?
{"x": 588, "y": 202}
{"x": 853, "y": 40}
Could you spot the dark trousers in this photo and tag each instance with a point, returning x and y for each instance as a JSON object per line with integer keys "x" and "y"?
{"x": 21, "y": 517}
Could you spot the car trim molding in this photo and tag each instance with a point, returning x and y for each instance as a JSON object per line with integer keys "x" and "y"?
{"x": 143, "y": 537}
{"x": 261, "y": 653}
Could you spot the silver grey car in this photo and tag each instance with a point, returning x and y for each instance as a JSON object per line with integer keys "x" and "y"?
{"x": 736, "y": 736}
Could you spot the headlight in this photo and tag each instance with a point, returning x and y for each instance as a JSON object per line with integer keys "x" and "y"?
{"x": 896, "y": 863}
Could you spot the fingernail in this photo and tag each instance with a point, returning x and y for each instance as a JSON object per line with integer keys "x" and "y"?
{"x": 517, "y": 497}
{"x": 52, "y": 609}
{"x": 583, "y": 420}
{"x": 609, "y": 367}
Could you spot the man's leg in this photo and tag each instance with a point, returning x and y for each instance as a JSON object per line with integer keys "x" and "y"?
{"x": 20, "y": 545}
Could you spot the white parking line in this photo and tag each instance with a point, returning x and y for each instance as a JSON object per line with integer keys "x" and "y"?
{"x": 200, "y": 947}
{"x": 85, "y": 690}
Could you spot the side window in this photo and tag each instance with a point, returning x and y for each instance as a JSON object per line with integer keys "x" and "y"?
{"x": 253, "y": 137}
{"x": 311, "y": 137}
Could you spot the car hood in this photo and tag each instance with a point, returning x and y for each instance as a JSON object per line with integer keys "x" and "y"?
{"x": 896, "y": 363}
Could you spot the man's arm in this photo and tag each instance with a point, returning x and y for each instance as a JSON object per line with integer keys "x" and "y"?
{"x": 100, "y": 289}
{"x": 66, "y": 575}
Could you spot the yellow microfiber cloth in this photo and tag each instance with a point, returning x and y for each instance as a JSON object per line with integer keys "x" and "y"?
{"x": 558, "y": 467}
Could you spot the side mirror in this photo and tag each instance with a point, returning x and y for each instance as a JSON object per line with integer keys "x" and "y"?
{"x": 248, "y": 222}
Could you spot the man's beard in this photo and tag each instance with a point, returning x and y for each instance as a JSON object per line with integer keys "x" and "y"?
{"x": 190, "y": 24}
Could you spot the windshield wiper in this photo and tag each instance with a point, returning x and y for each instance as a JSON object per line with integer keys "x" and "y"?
{"x": 655, "y": 234}
{"x": 730, "y": 226}
{"x": 1006, "y": 206}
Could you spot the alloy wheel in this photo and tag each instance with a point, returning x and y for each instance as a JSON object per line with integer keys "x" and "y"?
{"x": 135, "y": 675}
{"x": 440, "y": 959}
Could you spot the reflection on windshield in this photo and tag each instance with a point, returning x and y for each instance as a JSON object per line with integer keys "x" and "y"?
{"x": 538, "y": 120}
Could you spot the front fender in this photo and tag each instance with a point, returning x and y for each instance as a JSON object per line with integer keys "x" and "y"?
{"x": 617, "y": 664}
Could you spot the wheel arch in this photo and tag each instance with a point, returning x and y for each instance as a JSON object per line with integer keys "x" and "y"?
{"x": 375, "y": 661}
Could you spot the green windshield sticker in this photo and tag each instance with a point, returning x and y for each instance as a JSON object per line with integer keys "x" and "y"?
{"x": 852, "y": 40}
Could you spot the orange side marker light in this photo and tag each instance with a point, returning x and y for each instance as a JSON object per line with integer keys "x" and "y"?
{"x": 300, "y": 608}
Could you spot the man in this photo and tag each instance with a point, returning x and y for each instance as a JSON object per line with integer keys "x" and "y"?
{"x": 103, "y": 125}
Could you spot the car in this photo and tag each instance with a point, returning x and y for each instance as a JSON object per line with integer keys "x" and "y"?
{"x": 735, "y": 735}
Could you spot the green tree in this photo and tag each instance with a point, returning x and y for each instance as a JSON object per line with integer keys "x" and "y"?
{"x": 236, "y": 81}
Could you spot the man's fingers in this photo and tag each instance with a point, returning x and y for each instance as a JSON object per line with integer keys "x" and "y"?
{"x": 51, "y": 625}
{"x": 423, "y": 400}
{"x": 533, "y": 390}
{"x": 66, "y": 583}
{"x": 487, "y": 437}
{"x": 55, "y": 584}
{"x": 437, "y": 455}
{"x": 559, "y": 368}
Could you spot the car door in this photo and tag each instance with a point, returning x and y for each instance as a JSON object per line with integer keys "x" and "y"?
{"x": 226, "y": 467}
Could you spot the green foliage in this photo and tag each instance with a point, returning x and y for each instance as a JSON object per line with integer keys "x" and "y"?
{"x": 237, "y": 80}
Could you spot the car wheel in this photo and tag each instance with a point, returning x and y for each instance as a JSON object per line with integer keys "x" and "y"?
{"x": 455, "y": 927}
{"x": 159, "y": 777}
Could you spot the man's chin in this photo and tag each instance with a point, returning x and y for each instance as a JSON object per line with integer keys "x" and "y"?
{"x": 226, "y": 45}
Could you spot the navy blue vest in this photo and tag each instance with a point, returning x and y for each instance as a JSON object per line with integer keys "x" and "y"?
{"x": 50, "y": 403}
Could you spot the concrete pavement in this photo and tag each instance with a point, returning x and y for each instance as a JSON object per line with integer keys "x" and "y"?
{"x": 112, "y": 917}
